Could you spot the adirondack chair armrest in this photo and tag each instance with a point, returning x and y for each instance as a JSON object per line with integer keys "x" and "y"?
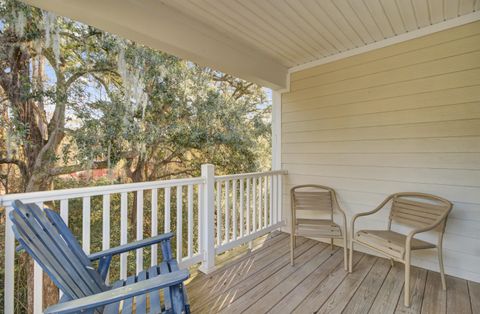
{"x": 131, "y": 246}
{"x": 119, "y": 294}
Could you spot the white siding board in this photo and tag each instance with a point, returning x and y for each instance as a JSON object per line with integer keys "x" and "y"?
{"x": 383, "y": 122}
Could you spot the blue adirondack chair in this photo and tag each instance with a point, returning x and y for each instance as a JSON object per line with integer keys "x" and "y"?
{"x": 44, "y": 235}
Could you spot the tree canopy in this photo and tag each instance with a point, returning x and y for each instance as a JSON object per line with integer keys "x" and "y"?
{"x": 76, "y": 98}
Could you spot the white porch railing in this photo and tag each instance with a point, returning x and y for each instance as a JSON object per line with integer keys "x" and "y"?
{"x": 220, "y": 212}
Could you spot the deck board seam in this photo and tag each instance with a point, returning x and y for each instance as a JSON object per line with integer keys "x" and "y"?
{"x": 209, "y": 299}
{"x": 379, "y": 288}
{"x": 271, "y": 307}
{"x": 309, "y": 242}
{"x": 326, "y": 299}
{"x": 281, "y": 268}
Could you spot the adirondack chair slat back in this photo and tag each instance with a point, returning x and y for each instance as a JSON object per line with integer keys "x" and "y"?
{"x": 316, "y": 198}
{"x": 419, "y": 210}
{"x": 70, "y": 270}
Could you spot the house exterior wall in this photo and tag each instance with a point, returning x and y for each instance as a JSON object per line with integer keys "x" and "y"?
{"x": 401, "y": 118}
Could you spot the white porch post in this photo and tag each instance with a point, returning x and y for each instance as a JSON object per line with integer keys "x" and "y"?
{"x": 208, "y": 219}
{"x": 276, "y": 130}
{"x": 277, "y": 150}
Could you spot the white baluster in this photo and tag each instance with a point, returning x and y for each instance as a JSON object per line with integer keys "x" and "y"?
{"x": 254, "y": 205}
{"x": 260, "y": 203}
{"x": 167, "y": 223}
{"x": 64, "y": 210}
{"x": 248, "y": 206}
{"x": 154, "y": 227}
{"x": 179, "y": 223}
{"x": 270, "y": 203}
{"x": 242, "y": 208}
{"x": 123, "y": 233}
{"x": 105, "y": 224}
{"x": 139, "y": 257}
{"x": 274, "y": 197}
{"x": 86, "y": 225}
{"x": 219, "y": 212}
{"x": 227, "y": 212}
{"x": 234, "y": 209}
{"x": 190, "y": 220}
{"x": 200, "y": 217}
{"x": 265, "y": 202}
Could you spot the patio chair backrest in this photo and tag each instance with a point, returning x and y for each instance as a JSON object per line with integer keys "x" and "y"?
{"x": 58, "y": 253}
{"x": 312, "y": 197}
{"x": 419, "y": 209}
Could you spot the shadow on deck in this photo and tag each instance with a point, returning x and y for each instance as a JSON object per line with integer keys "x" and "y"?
{"x": 262, "y": 280}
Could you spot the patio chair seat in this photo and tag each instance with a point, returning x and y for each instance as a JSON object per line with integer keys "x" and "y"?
{"x": 393, "y": 243}
{"x": 318, "y": 228}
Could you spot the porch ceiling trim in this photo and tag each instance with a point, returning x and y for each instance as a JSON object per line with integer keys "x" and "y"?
{"x": 465, "y": 19}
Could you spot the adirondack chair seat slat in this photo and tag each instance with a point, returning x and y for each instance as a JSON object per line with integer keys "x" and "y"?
{"x": 44, "y": 235}
{"x": 121, "y": 293}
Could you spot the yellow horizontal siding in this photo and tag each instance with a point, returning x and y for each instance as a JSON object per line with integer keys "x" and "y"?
{"x": 401, "y": 118}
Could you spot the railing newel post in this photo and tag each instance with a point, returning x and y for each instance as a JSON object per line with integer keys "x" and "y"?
{"x": 208, "y": 219}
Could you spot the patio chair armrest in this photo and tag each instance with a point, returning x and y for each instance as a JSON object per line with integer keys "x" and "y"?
{"x": 424, "y": 229}
{"x": 131, "y": 246}
{"x": 371, "y": 212}
{"x": 118, "y": 294}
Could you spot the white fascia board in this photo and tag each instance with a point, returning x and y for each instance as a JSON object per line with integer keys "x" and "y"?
{"x": 161, "y": 27}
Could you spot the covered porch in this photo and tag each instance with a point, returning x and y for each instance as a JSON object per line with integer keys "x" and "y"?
{"x": 369, "y": 97}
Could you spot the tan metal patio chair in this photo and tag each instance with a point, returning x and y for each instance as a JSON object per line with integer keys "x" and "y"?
{"x": 419, "y": 211}
{"x": 320, "y": 201}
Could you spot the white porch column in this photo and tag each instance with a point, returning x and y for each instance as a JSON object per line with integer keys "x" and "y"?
{"x": 208, "y": 219}
{"x": 276, "y": 130}
{"x": 277, "y": 150}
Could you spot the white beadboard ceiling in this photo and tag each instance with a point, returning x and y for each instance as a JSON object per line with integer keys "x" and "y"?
{"x": 296, "y": 32}
{"x": 260, "y": 40}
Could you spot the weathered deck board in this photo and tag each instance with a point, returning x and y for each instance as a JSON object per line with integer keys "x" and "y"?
{"x": 261, "y": 280}
{"x": 417, "y": 285}
{"x": 435, "y": 298}
{"x": 344, "y": 292}
{"x": 296, "y": 296}
{"x": 474, "y": 290}
{"x": 368, "y": 290}
{"x": 323, "y": 291}
{"x": 230, "y": 295}
{"x": 458, "y": 300}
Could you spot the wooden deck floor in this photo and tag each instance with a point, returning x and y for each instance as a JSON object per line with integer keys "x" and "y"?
{"x": 262, "y": 280}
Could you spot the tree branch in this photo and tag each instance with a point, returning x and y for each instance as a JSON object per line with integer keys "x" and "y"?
{"x": 20, "y": 164}
{"x": 80, "y": 167}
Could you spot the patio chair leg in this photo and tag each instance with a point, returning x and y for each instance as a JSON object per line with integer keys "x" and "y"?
{"x": 350, "y": 258}
{"x": 292, "y": 248}
{"x": 392, "y": 262}
{"x": 442, "y": 271}
{"x": 345, "y": 253}
{"x": 406, "y": 288}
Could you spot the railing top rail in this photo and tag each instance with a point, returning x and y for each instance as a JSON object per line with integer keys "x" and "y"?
{"x": 32, "y": 197}
{"x": 250, "y": 175}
